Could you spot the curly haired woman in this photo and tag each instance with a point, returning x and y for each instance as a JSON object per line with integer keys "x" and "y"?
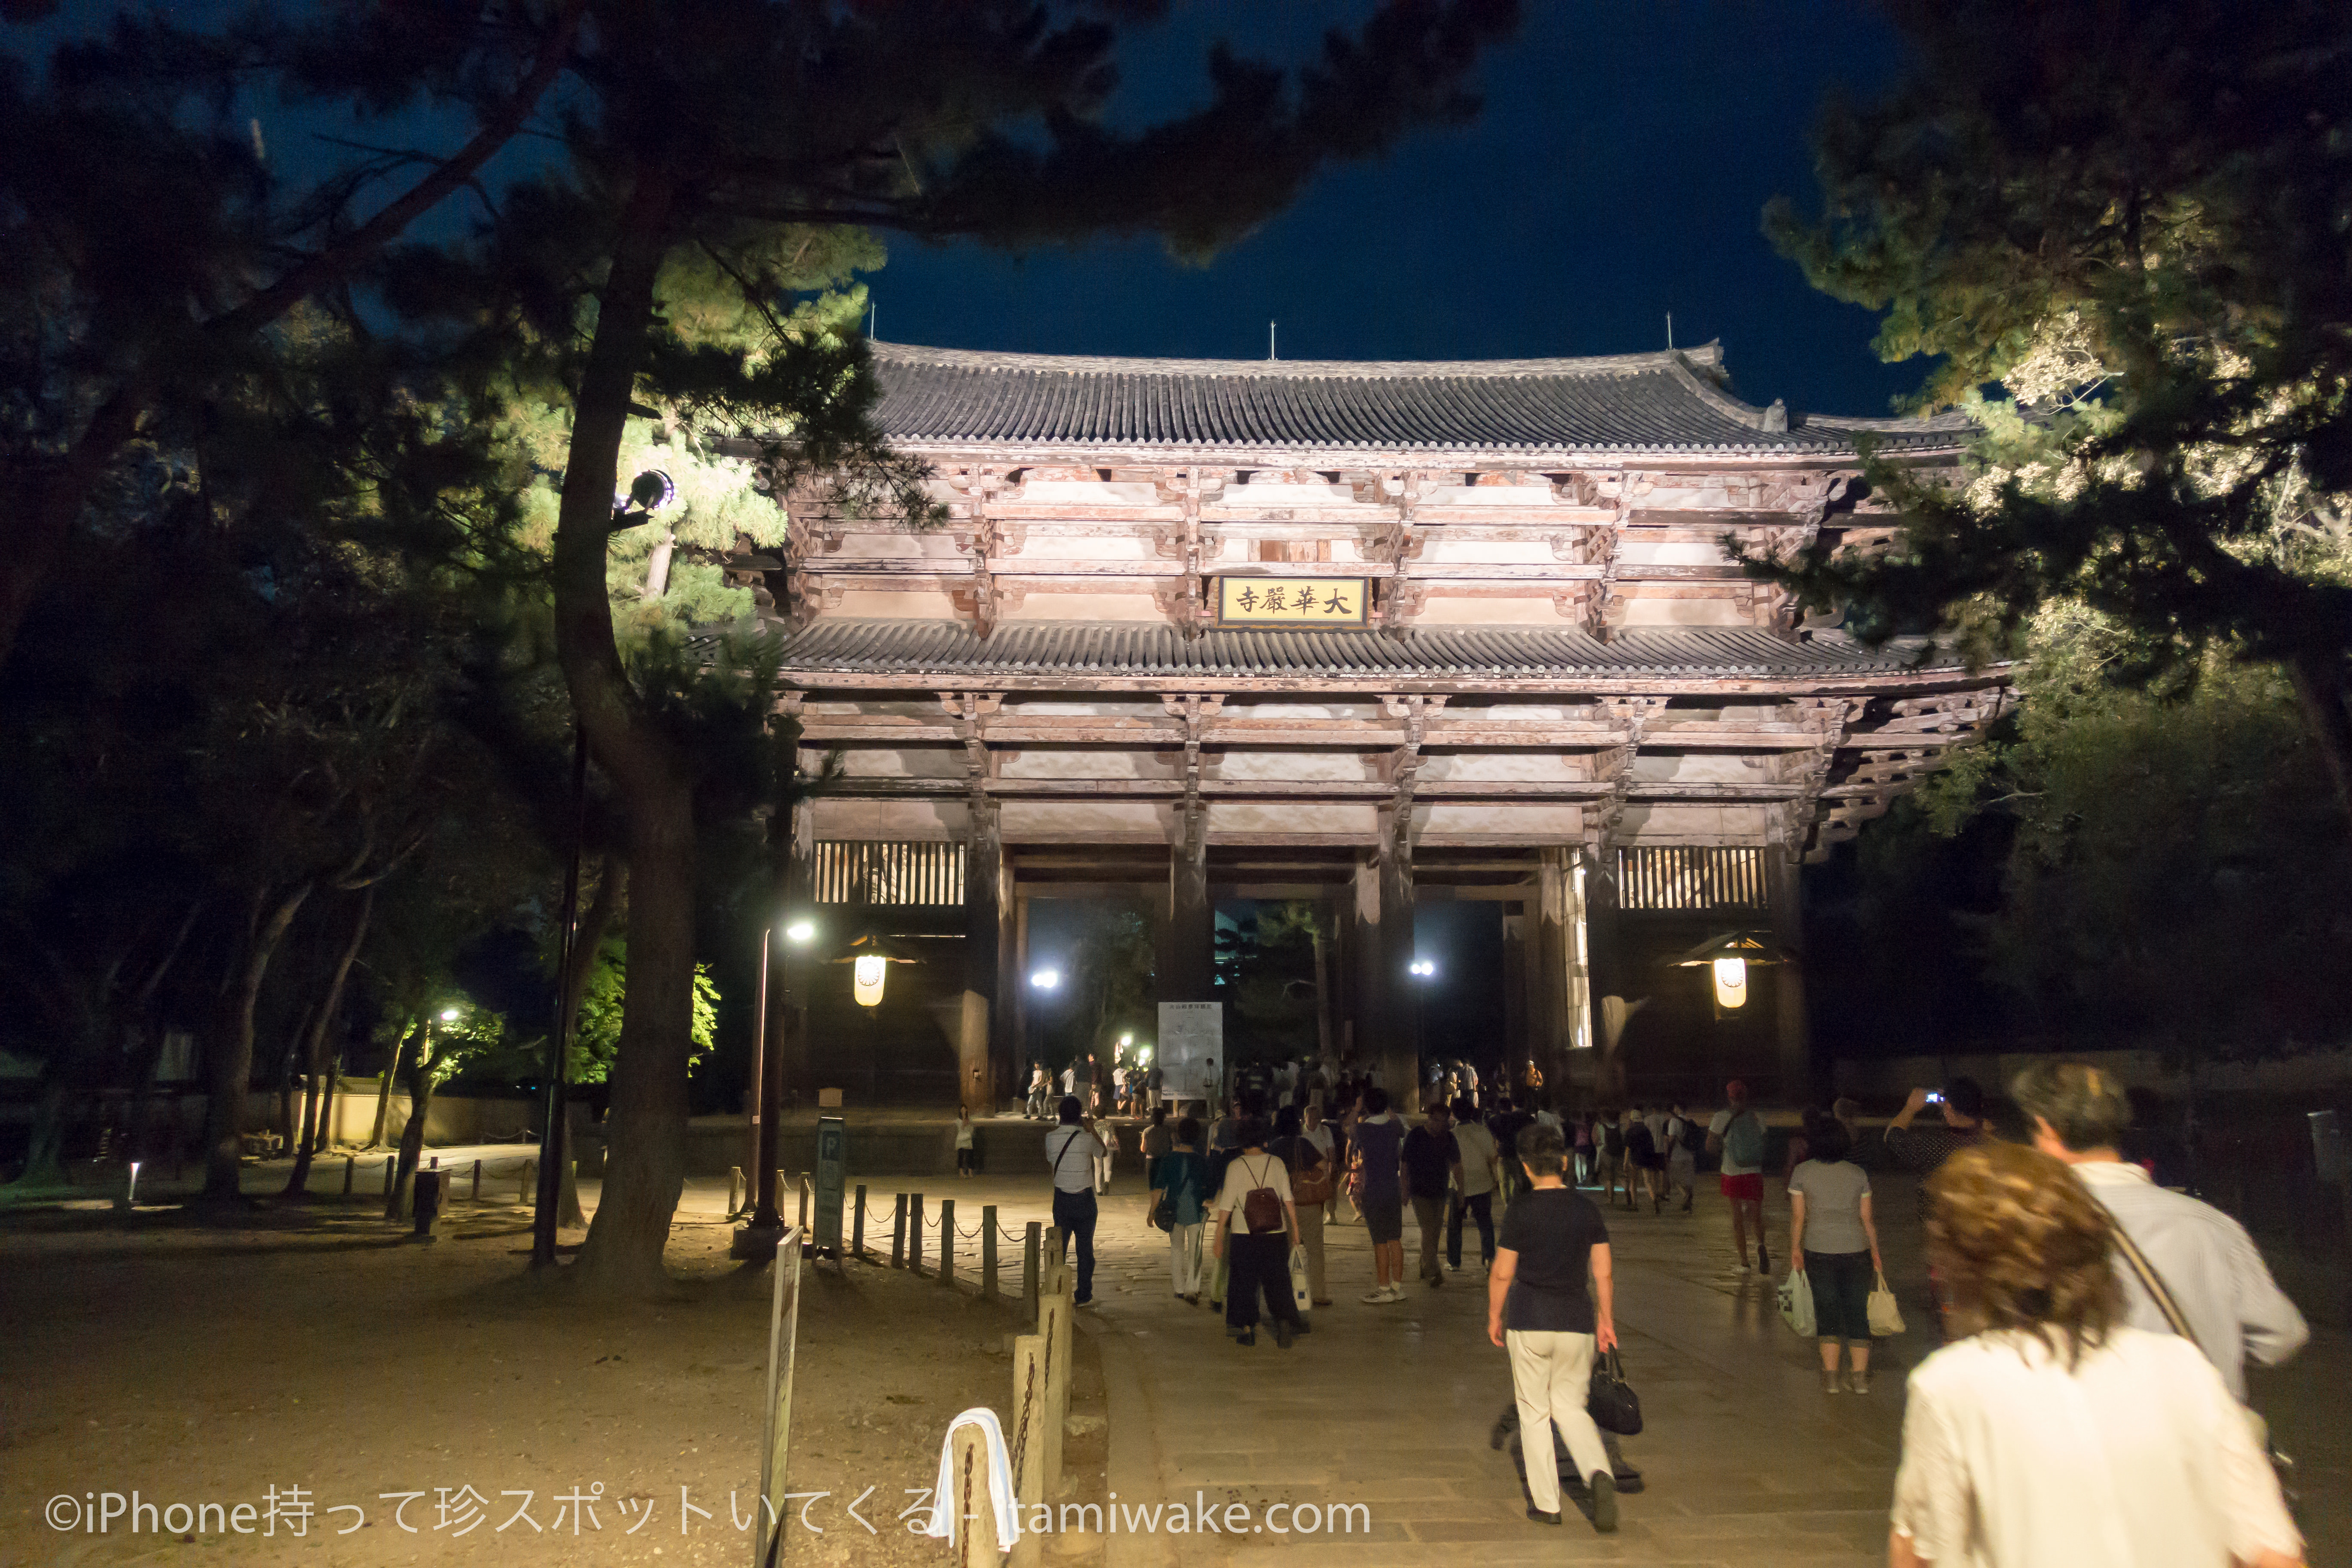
{"x": 2052, "y": 1434}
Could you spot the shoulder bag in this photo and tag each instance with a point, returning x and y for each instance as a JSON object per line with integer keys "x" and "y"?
{"x": 1310, "y": 1187}
{"x": 1611, "y": 1401}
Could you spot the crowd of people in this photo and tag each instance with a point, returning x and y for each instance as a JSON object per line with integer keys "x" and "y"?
{"x": 2087, "y": 1402}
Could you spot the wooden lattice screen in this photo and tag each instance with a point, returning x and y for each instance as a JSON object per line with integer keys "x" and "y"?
{"x": 1694, "y": 878}
{"x": 865, "y": 871}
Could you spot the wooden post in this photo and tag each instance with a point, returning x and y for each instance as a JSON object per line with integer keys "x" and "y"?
{"x": 1793, "y": 1037}
{"x": 946, "y": 1241}
{"x": 973, "y": 1544}
{"x": 1054, "y": 1313}
{"x": 528, "y": 1183}
{"x": 1030, "y": 1246}
{"x": 858, "y": 1226}
{"x": 988, "y": 1253}
{"x": 899, "y": 1232}
{"x": 390, "y": 1162}
{"x": 734, "y": 1190}
{"x": 351, "y": 1170}
{"x": 1024, "y": 1440}
{"x": 473, "y": 1195}
{"x": 915, "y": 1234}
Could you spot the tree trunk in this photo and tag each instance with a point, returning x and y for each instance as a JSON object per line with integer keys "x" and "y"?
{"x": 383, "y": 1084}
{"x": 323, "y": 1136}
{"x": 612, "y": 884}
{"x": 2321, "y": 687}
{"x": 229, "y": 1053}
{"x": 645, "y": 1125}
{"x": 419, "y": 1082}
{"x": 290, "y": 1075}
{"x": 314, "y": 1047}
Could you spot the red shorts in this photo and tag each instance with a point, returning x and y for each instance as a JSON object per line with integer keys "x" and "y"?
{"x": 1749, "y": 1187}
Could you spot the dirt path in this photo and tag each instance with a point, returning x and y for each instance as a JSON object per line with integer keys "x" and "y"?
{"x": 316, "y": 1350}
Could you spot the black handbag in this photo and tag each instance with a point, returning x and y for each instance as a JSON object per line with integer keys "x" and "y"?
{"x": 1612, "y": 1402}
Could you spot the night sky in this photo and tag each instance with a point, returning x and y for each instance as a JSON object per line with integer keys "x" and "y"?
{"x": 1617, "y": 173}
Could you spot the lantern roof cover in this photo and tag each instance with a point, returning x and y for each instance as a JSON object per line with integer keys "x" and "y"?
{"x": 1755, "y": 946}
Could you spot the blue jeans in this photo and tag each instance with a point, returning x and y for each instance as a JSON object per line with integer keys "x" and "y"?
{"x": 1074, "y": 1216}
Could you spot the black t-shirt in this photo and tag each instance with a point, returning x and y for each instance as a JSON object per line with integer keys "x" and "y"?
{"x": 1427, "y": 1156}
{"x": 1554, "y": 1231}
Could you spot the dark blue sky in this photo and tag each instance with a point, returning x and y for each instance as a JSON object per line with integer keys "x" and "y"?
{"x": 1617, "y": 173}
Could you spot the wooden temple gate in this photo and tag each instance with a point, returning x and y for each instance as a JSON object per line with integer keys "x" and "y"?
{"x": 1369, "y": 633}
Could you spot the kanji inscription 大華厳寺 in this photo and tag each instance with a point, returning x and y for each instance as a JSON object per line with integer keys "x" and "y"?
{"x": 1291, "y": 601}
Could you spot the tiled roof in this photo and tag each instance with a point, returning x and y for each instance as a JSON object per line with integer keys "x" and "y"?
{"x": 1124, "y": 650}
{"x": 1670, "y": 401}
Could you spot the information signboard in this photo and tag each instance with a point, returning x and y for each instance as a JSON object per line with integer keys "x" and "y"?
{"x": 831, "y": 1175}
{"x": 1191, "y": 1049}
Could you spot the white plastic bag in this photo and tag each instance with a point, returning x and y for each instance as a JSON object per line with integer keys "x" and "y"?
{"x": 1797, "y": 1302}
{"x": 1885, "y": 1317}
{"x": 1300, "y": 1294}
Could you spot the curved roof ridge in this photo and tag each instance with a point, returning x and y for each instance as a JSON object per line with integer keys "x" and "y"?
{"x": 1293, "y": 368}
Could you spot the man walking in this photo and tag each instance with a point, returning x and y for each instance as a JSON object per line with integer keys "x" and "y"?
{"x": 1540, "y": 1309}
{"x": 1428, "y": 1168}
{"x": 2200, "y": 1257}
{"x": 1736, "y": 1133}
{"x": 1379, "y": 1143}
{"x": 1071, "y": 1150}
{"x": 1478, "y": 1171}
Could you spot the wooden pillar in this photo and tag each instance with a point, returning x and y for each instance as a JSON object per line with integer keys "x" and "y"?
{"x": 1518, "y": 1019}
{"x": 1396, "y": 996}
{"x": 984, "y": 1069}
{"x": 1558, "y": 917}
{"x": 1795, "y": 1036}
{"x": 1188, "y": 937}
{"x": 1606, "y": 972}
{"x": 1017, "y": 985}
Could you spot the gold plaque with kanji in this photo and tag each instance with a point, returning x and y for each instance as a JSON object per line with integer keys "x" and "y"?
{"x": 1292, "y": 601}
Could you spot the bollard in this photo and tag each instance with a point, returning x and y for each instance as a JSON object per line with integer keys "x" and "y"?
{"x": 915, "y": 1234}
{"x": 475, "y": 1195}
{"x": 1029, "y": 1247}
{"x": 858, "y": 1226}
{"x": 808, "y": 1198}
{"x": 734, "y": 1191}
{"x": 389, "y": 1161}
{"x": 1053, "y": 1328}
{"x": 988, "y": 1253}
{"x": 527, "y": 1185}
{"x": 946, "y": 1241}
{"x": 351, "y": 1170}
{"x": 898, "y": 1232}
{"x": 973, "y": 1544}
{"x": 427, "y": 1198}
{"x": 1025, "y": 1437}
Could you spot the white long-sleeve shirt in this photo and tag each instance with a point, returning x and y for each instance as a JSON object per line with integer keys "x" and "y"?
{"x": 2136, "y": 1457}
{"x": 2209, "y": 1265}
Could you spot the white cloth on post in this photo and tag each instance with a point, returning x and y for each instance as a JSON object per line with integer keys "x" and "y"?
{"x": 943, "y": 1523}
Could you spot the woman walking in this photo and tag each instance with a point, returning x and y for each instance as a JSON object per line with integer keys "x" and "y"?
{"x": 1310, "y": 1189}
{"x": 2052, "y": 1434}
{"x": 1539, "y": 1307}
{"x": 1179, "y": 1179}
{"x": 1834, "y": 1238}
{"x": 1258, "y": 1225}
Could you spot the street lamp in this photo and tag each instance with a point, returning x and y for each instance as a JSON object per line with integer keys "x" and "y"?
{"x": 766, "y": 1225}
{"x": 1423, "y": 970}
{"x": 1046, "y": 978}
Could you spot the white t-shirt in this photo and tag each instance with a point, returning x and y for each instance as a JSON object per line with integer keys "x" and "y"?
{"x": 2137, "y": 1456}
{"x": 964, "y": 1131}
{"x": 1075, "y": 1174}
{"x": 1321, "y": 1136}
{"x": 1476, "y": 1146}
{"x": 1246, "y": 1173}
{"x": 1723, "y": 1119}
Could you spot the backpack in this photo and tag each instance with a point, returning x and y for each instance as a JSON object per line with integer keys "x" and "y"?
{"x": 1309, "y": 1188}
{"x": 1743, "y": 1140}
{"x": 1262, "y": 1207}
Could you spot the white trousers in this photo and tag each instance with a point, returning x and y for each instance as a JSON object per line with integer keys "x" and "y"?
{"x": 1184, "y": 1258}
{"x": 1551, "y": 1373}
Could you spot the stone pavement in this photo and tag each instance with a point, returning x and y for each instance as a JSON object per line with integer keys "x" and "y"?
{"x": 1747, "y": 1462}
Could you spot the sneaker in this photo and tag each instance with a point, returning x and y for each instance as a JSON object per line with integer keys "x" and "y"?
{"x": 1540, "y": 1517}
{"x": 1396, "y": 1291}
{"x": 1246, "y": 1337}
{"x": 1763, "y": 1259}
{"x": 1604, "y": 1502}
{"x": 1377, "y": 1296}
{"x": 1282, "y": 1334}
{"x": 1857, "y": 1380}
{"x": 1831, "y": 1384}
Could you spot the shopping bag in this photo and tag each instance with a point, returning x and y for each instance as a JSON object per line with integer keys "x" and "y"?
{"x": 1885, "y": 1317}
{"x": 1299, "y": 1292}
{"x": 1217, "y": 1282}
{"x": 1797, "y": 1302}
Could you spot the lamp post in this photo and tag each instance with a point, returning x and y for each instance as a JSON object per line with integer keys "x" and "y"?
{"x": 1423, "y": 970}
{"x": 765, "y": 1227}
{"x": 648, "y": 493}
